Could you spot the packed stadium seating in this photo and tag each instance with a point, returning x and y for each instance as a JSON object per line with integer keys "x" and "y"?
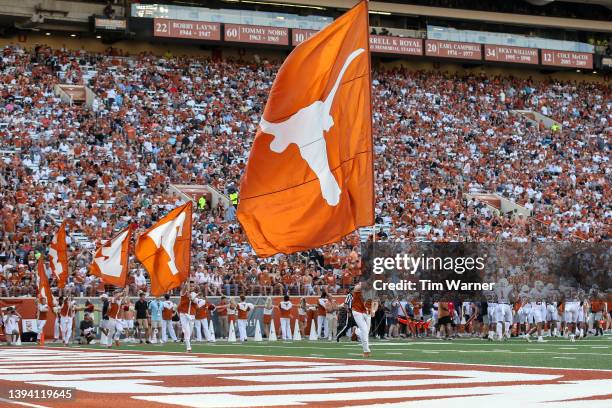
{"x": 166, "y": 120}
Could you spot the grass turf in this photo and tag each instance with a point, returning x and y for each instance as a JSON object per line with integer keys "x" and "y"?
{"x": 590, "y": 353}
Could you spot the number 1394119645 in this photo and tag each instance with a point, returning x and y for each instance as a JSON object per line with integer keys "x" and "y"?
{"x": 23, "y": 394}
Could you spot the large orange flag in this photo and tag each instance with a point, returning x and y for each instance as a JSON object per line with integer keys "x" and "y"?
{"x": 309, "y": 178}
{"x": 58, "y": 252}
{"x": 165, "y": 250}
{"x": 111, "y": 260}
{"x": 43, "y": 283}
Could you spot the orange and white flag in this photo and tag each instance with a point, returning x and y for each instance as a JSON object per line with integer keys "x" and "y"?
{"x": 58, "y": 253}
{"x": 165, "y": 250}
{"x": 44, "y": 289}
{"x": 111, "y": 259}
{"x": 309, "y": 178}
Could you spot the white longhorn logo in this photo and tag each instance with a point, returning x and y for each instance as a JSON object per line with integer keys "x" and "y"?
{"x": 110, "y": 261}
{"x": 58, "y": 268}
{"x": 165, "y": 236}
{"x": 306, "y": 129}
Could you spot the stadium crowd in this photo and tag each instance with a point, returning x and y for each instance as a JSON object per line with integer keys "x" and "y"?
{"x": 157, "y": 121}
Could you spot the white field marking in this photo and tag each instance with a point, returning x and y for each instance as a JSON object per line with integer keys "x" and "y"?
{"x": 565, "y": 358}
{"x": 284, "y": 378}
{"x": 524, "y": 395}
{"x": 23, "y": 404}
{"x": 395, "y": 354}
{"x": 403, "y": 349}
{"x": 158, "y": 387}
{"x": 510, "y": 343}
{"x": 356, "y": 359}
{"x": 599, "y": 347}
{"x": 355, "y": 354}
{"x": 276, "y": 365}
{"x": 180, "y": 370}
{"x": 87, "y": 358}
{"x": 568, "y": 348}
{"x": 487, "y": 401}
{"x": 530, "y": 349}
{"x": 430, "y": 352}
{"x": 85, "y": 362}
{"x": 75, "y": 367}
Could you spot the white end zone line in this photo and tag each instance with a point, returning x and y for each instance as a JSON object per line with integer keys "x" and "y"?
{"x": 333, "y": 358}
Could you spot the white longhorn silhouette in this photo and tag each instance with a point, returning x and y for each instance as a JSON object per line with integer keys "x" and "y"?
{"x": 305, "y": 128}
{"x": 165, "y": 237}
{"x": 110, "y": 261}
{"x": 58, "y": 268}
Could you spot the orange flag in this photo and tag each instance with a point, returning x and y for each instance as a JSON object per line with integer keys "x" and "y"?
{"x": 43, "y": 283}
{"x": 309, "y": 178}
{"x": 58, "y": 252}
{"x": 165, "y": 250}
{"x": 111, "y": 259}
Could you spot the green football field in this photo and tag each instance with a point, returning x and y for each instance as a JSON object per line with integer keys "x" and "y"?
{"x": 590, "y": 353}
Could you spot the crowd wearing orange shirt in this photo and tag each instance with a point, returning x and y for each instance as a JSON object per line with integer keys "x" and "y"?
{"x": 158, "y": 121}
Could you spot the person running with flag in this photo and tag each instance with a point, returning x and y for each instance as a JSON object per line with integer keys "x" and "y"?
{"x": 187, "y": 309}
{"x": 115, "y": 325}
{"x": 362, "y": 313}
{"x": 42, "y": 308}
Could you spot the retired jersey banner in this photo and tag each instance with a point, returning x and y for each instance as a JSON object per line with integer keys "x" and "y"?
{"x": 570, "y": 59}
{"x": 309, "y": 178}
{"x": 165, "y": 250}
{"x": 194, "y": 30}
{"x": 256, "y": 34}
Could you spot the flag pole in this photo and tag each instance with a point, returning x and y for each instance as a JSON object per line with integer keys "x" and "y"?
{"x": 367, "y": 17}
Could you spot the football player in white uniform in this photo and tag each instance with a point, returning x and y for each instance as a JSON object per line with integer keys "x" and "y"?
{"x": 571, "y": 314}
{"x": 552, "y": 314}
{"x": 503, "y": 312}
{"x": 491, "y": 316}
{"x": 537, "y": 315}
